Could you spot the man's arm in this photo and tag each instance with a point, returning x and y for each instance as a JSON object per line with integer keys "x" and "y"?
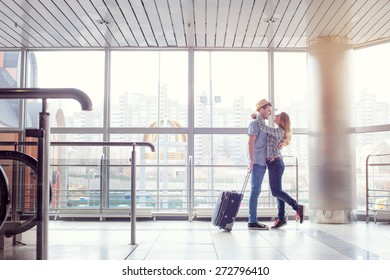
{"x": 277, "y": 132}
{"x": 251, "y": 151}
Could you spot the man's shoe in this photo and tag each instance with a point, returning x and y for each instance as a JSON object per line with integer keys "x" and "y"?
{"x": 279, "y": 223}
{"x": 300, "y": 213}
{"x": 257, "y": 226}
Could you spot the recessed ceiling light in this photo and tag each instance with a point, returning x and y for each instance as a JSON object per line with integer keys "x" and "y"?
{"x": 103, "y": 21}
{"x": 270, "y": 20}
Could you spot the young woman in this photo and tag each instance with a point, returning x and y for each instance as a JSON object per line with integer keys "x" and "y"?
{"x": 277, "y": 138}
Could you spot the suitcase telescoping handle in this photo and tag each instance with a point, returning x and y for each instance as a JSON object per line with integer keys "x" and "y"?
{"x": 246, "y": 181}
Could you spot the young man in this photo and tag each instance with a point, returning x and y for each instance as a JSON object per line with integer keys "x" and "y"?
{"x": 257, "y": 149}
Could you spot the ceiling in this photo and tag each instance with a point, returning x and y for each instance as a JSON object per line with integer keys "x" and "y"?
{"x": 189, "y": 23}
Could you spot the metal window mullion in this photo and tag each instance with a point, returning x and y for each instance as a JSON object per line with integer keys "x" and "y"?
{"x": 107, "y": 95}
{"x": 271, "y": 82}
{"x": 191, "y": 124}
{"x": 158, "y": 135}
{"x": 22, "y": 102}
{"x": 105, "y": 171}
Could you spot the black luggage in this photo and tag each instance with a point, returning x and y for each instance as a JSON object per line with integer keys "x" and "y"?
{"x": 227, "y": 207}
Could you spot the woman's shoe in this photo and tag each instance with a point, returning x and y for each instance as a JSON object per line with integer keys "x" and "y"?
{"x": 300, "y": 213}
{"x": 279, "y": 223}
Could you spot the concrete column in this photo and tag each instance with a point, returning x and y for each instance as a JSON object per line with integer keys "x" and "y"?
{"x": 332, "y": 187}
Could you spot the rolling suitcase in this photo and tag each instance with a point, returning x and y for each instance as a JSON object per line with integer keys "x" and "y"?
{"x": 227, "y": 207}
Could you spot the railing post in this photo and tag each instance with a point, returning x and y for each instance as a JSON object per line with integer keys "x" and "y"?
{"x": 296, "y": 179}
{"x": 101, "y": 180}
{"x": 43, "y": 188}
{"x": 133, "y": 196}
{"x": 15, "y": 191}
{"x": 367, "y": 195}
{"x": 190, "y": 189}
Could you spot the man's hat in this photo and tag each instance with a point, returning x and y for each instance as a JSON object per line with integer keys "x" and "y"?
{"x": 262, "y": 103}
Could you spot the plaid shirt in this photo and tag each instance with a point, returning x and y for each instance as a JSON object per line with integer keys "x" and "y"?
{"x": 275, "y": 136}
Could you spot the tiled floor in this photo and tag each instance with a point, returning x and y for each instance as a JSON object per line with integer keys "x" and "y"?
{"x": 199, "y": 240}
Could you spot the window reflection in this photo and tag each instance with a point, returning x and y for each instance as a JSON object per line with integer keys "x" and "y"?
{"x": 69, "y": 69}
{"x": 9, "y": 78}
{"x": 148, "y": 86}
{"x": 371, "y": 95}
{"x": 291, "y": 93}
{"x": 227, "y": 87}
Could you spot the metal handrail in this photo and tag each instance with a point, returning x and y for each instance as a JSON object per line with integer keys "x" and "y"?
{"x": 292, "y": 163}
{"x": 42, "y": 134}
{"x": 133, "y": 172}
{"x": 367, "y": 187}
{"x": 123, "y": 144}
{"x": 191, "y": 190}
{"x": 190, "y": 207}
{"x": 45, "y": 93}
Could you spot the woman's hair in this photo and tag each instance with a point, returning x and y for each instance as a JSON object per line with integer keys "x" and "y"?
{"x": 286, "y": 125}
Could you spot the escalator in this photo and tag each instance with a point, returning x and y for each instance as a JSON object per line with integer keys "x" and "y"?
{"x": 4, "y": 197}
{"x": 24, "y": 173}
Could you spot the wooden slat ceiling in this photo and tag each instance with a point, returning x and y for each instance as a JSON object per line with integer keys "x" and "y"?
{"x": 189, "y": 23}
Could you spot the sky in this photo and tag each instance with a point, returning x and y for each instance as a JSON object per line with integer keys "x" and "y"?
{"x": 372, "y": 68}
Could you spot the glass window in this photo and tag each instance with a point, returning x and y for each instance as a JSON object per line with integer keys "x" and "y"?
{"x": 9, "y": 78}
{"x": 227, "y": 87}
{"x": 161, "y": 175}
{"x": 220, "y": 149}
{"x": 297, "y": 155}
{"x": 75, "y": 171}
{"x": 291, "y": 86}
{"x": 220, "y": 164}
{"x": 149, "y": 89}
{"x": 291, "y": 96}
{"x": 83, "y": 70}
{"x": 371, "y": 86}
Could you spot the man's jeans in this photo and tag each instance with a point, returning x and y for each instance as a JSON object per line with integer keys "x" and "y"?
{"x": 257, "y": 176}
{"x": 275, "y": 173}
